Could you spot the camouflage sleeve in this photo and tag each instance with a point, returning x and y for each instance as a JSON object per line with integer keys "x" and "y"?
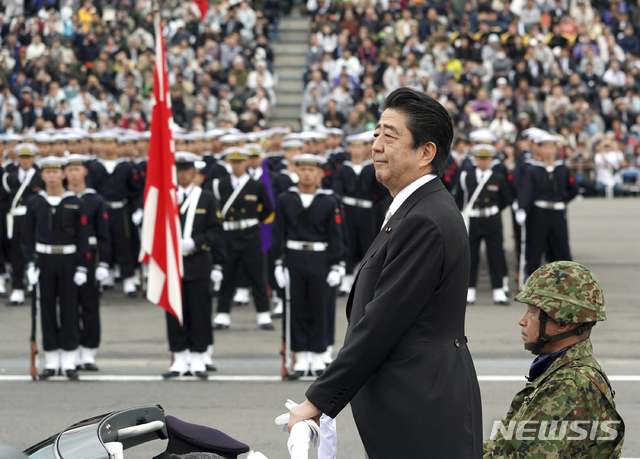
{"x": 549, "y": 414}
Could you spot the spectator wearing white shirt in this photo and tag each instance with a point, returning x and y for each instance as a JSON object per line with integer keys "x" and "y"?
{"x": 36, "y": 48}
{"x": 391, "y": 75}
{"x": 350, "y": 62}
{"x": 530, "y": 15}
{"x": 608, "y": 160}
{"x": 327, "y": 39}
{"x": 613, "y": 76}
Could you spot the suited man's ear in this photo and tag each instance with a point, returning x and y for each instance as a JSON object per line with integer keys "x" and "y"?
{"x": 427, "y": 154}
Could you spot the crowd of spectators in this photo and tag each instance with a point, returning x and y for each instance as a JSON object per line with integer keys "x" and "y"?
{"x": 89, "y": 64}
{"x": 571, "y": 67}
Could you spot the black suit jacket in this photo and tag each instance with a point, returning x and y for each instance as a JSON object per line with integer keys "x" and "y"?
{"x": 405, "y": 366}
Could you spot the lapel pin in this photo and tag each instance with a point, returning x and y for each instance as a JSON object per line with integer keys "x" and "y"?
{"x": 387, "y": 229}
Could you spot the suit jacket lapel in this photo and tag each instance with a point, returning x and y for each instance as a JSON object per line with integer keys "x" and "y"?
{"x": 428, "y": 188}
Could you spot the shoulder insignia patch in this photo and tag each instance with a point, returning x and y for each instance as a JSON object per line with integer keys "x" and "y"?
{"x": 250, "y": 197}
{"x": 71, "y": 206}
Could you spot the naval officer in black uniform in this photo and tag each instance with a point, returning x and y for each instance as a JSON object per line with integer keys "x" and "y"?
{"x": 18, "y": 187}
{"x": 245, "y": 205}
{"x": 100, "y": 241}
{"x": 202, "y": 251}
{"x": 307, "y": 241}
{"x": 490, "y": 192}
{"x": 55, "y": 244}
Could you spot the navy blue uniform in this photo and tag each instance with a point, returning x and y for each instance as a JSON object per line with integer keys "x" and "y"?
{"x": 195, "y": 333}
{"x": 243, "y": 243}
{"x": 543, "y": 193}
{"x": 485, "y": 222}
{"x": 119, "y": 189}
{"x": 358, "y": 192}
{"x": 100, "y": 241}
{"x": 296, "y": 232}
{"x": 16, "y": 210}
{"x": 55, "y": 238}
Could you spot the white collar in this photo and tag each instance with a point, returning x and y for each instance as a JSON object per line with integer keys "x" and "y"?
{"x": 87, "y": 191}
{"x": 407, "y": 191}
{"x": 186, "y": 190}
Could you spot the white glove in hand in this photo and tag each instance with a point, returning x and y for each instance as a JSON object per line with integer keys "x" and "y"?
{"x": 187, "y": 245}
{"x": 136, "y": 217}
{"x": 102, "y": 273}
{"x": 80, "y": 278}
{"x": 256, "y": 455}
{"x": 282, "y": 276}
{"x": 33, "y": 274}
{"x": 521, "y": 216}
{"x": 216, "y": 275}
{"x": 334, "y": 278}
{"x": 283, "y": 420}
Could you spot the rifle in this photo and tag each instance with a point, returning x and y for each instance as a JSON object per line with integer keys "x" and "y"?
{"x": 34, "y": 324}
{"x": 523, "y": 256}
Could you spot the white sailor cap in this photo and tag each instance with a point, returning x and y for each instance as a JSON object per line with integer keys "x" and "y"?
{"x": 278, "y": 130}
{"x": 546, "y": 137}
{"x": 309, "y": 160}
{"x": 362, "y": 138}
{"x": 13, "y": 138}
{"x": 185, "y": 159}
{"x": 25, "y": 149}
{"x": 42, "y": 137}
{"x": 530, "y": 133}
{"x": 483, "y": 151}
{"x": 483, "y": 135}
{"x": 292, "y": 144}
{"x": 197, "y": 135}
{"x": 255, "y": 136}
{"x": 52, "y": 162}
{"x": 235, "y": 154}
{"x": 255, "y": 149}
{"x": 335, "y": 131}
{"x": 105, "y": 136}
{"x": 75, "y": 159}
{"x": 146, "y": 135}
{"x": 294, "y": 136}
{"x": 214, "y": 133}
{"x": 231, "y": 138}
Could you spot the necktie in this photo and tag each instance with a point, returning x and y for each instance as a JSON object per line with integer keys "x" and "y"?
{"x": 180, "y": 197}
{"x": 387, "y": 217}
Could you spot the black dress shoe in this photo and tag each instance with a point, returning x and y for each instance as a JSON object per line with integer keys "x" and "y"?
{"x": 171, "y": 374}
{"x": 3, "y": 294}
{"x": 268, "y": 326}
{"x": 47, "y": 373}
{"x": 211, "y": 367}
{"x": 501, "y": 303}
{"x": 71, "y": 374}
{"x": 79, "y": 367}
{"x": 132, "y": 295}
{"x": 318, "y": 372}
{"x": 90, "y": 367}
{"x": 296, "y": 374}
{"x": 276, "y": 315}
{"x": 201, "y": 374}
{"x": 220, "y": 326}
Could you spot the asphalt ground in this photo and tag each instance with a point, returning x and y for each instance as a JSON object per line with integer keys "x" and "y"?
{"x": 245, "y": 395}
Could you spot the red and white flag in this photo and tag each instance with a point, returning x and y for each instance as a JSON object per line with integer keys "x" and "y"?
{"x": 160, "y": 244}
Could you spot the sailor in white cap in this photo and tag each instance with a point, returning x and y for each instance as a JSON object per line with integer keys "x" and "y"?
{"x": 308, "y": 244}
{"x": 55, "y": 244}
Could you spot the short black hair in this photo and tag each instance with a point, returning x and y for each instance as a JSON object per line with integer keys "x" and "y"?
{"x": 427, "y": 120}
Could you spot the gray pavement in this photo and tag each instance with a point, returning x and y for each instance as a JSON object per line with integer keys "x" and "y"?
{"x": 604, "y": 236}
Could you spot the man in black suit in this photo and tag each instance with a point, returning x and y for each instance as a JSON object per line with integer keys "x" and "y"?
{"x": 202, "y": 251}
{"x": 405, "y": 366}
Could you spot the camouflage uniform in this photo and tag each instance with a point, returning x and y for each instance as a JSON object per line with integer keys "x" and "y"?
{"x": 574, "y": 388}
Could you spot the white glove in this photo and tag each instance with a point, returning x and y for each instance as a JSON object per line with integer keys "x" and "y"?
{"x": 521, "y": 216}
{"x": 102, "y": 272}
{"x": 136, "y": 217}
{"x": 80, "y": 278}
{"x": 341, "y": 270}
{"x": 282, "y": 276}
{"x": 256, "y": 455}
{"x": 216, "y": 275}
{"x": 334, "y": 278}
{"x": 515, "y": 206}
{"x": 33, "y": 274}
{"x": 187, "y": 245}
{"x": 283, "y": 420}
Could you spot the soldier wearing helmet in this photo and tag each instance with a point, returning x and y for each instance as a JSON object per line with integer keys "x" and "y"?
{"x": 566, "y": 384}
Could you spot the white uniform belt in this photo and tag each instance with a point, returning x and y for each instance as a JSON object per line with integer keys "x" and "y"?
{"x": 93, "y": 240}
{"x": 55, "y": 249}
{"x": 240, "y": 224}
{"x": 550, "y": 205}
{"x": 484, "y": 213}
{"x": 364, "y": 203}
{"x": 116, "y": 204}
{"x": 19, "y": 210}
{"x": 307, "y": 246}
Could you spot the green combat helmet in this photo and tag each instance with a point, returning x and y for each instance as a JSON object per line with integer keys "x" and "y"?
{"x": 568, "y": 293}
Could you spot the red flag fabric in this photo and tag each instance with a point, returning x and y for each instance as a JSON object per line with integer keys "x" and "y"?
{"x": 160, "y": 240}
